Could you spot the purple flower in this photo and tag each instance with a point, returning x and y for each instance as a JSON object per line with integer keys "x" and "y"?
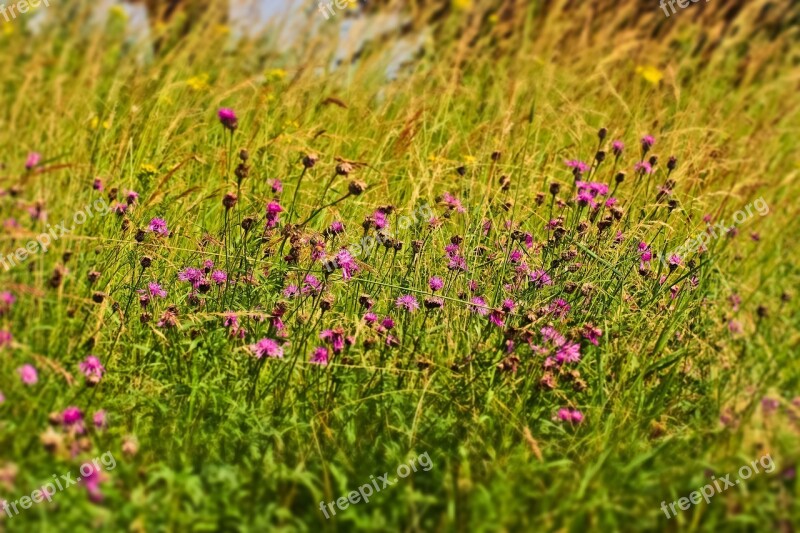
{"x": 647, "y": 142}
{"x": 644, "y": 167}
{"x": 336, "y": 227}
{"x": 99, "y": 419}
{"x": 617, "y": 147}
{"x": 453, "y": 203}
{"x": 5, "y": 338}
{"x": 71, "y": 416}
{"x": 28, "y": 374}
{"x": 478, "y": 305}
{"x": 267, "y": 348}
{"x": 159, "y": 227}
{"x": 540, "y": 278}
{"x": 219, "y": 277}
{"x": 370, "y": 317}
{"x": 407, "y": 302}
{"x": 277, "y": 186}
{"x": 577, "y": 165}
{"x": 34, "y": 158}
{"x": 228, "y": 118}
{"x": 388, "y": 322}
{"x": 570, "y": 415}
{"x": 347, "y": 263}
{"x": 156, "y": 290}
{"x": 335, "y": 337}
{"x": 435, "y": 283}
{"x": 320, "y": 356}
{"x": 131, "y": 197}
{"x": 193, "y": 275}
{"x": 273, "y": 212}
{"x": 92, "y": 369}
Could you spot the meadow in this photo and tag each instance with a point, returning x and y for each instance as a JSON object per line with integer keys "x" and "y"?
{"x": 507, "y": 287}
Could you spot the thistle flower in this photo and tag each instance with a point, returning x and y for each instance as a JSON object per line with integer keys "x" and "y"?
{"x": 28, "y": 374}
{"x": 219, "y": 277}
{"x": 570, "y": 415}
{"x": 335, "y": 337}
{"x": 267, "y": 348}
{"x": 540, "y": 278}
{"x": 407, "y": 302}
{"x": 5, "y": 338}
{"x": 193, "y": 275}
{"x": 159, "y": 227}
{"x": 131, "y": 197}
{"x": 478, "y": 305}
{"x": 617, "y": 147}
{"x": 452, "y": 203}
{"x": 592, "y": 333}
{"x": 647, "y": 142}
{"x": 577, "y": 165}
{"x": 155, "y": 290}
{"x": 347, "y": 263}
{"x": 33, "y": 160}
{"x": 72, "y": 418}
{"x": 643, "y": 167}
{"x": 228, "y": 118}
{"x": 92, "y": 369}
{"x": 319, "y": 356}
{"x": 99, "y": 419}
{"x": 435, "y": 283}
{"x": 273, "y": 211}
{"x": 277, "y": 186}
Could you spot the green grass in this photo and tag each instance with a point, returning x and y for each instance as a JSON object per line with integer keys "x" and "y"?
{"x": 228, "y": 442}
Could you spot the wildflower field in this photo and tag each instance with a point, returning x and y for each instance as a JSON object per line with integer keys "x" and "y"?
{"x": 539, "y": 274}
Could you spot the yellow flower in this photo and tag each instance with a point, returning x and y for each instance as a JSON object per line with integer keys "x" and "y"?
{"x": 148, "y": 170}
{"x": 469, "y": 159}
{"x": 8, "y": 29}
{"x": 275, "y": 75}
{"x": 198, "y": 83}
{"x": 117, "y": 12}
{"x": 222, "y": 29}
{"x": 650, "y": 73}
{"x": 494, "y": 18}
{"x": 462, "y": 4}
{"x": 95, "y": 123}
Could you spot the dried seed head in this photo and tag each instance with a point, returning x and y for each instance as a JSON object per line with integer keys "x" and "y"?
{"x": 310, "y": 160}
{"x": 244, "y": 155}
{"x": 496, "y": 156}
{"x": 505, "y": 183}
{"x": 344, "y": 169}
{"x": 601, "y": 133}
{"x": 620, "y": 177}
{"x": 146, "y": 261}
{"x": 93, "y": 276}
{"x": 247, "y": 223}
{"x": 555, "y": 188}
{"x": 416, "y": 246}
{"x": 672, "y": 162}
{"x": 98, "y": 297}
{"x": 140, "y": 235}
{"x": 229, "y": 200}
{"x": 653, "y": 160}
{"x": 600, "y": 156}
{"x": 357, "y": 187}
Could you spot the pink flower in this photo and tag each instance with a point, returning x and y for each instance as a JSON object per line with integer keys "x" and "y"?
{"x": 267, "y": 348}
{"x": 228, "y": 118}
{"x": 347, "y": 263}
{"x": 92, "y": 369}
{"x": 478, "y": 305}
{"x": 577, "y": 165}
{"x": 320, "y": 356}
{"x": 644, "y": 167}
{"x": 219, "y": 277}
{"x": 72, "y": 417}
{"x": 131, "y": 197}
{"x": 335, "y": 337}
{"x": 407, "y": 302}
{"x": 92, "y": 481}
{"x": 435, "y": 283}
{"x": 99, "y": 419}
{"x": 570, "y": 415}
{"x": 539, "y": 279}
{"x": 28, "y": 374}
{"x": 34, "y": 158}
{"x": 617, "y": 147}
{"x": 159, "y": 227}
{"x": 156, "y": 290}
{"x": 273, "y": 214}
{"x": 647, "y": 142}
{"x": 592, "y": 333}
{"x": 453, "y": 203}
{"x": 5, "y": 338}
